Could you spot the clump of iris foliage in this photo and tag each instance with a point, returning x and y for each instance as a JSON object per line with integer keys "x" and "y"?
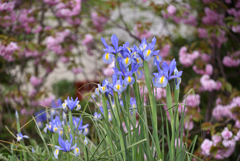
{"x": 65, "y": 137}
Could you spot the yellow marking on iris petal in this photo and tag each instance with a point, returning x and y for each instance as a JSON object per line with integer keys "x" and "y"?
{"x": 148, "y": 52}
{"x": 19, "y": 138}
{"x": 109, "y": 116}
{"x": 118, "y": 87}
{"x": 134, "y": 53}
{"x": 61, "y": 132}
{"x": 129, "y": 79}
{"x": 50, "y": 126}
{"x": 56, "y": 151}
{"x": 137, "y": 60}
{"x": 107, "y": 56}
{"x": 55, "y": 129}
{"x": 127, "y": 60}
{"x": 76, "y": 149}
{"x": 144, "y": 46}
{"x": 157, "y": 57}
{"x": 129, "y": 49}
{"x": 86, "y": 129}
{"x": 103, "y": 88}
{"x": 97, "y": 89}
{"x": 139, "y": 72}
{"x": 161, "y": 79}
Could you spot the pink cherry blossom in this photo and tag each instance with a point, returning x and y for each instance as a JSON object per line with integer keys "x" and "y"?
{"x": 189, "y": 125}
{"x": 77, "y": 70}
{"x": 35, "y": 81}
{"x": 64, "y": 59}
{"x": 219, "y": 154}
{"x": 192, "y": 100}
{"x": 207, "y": 83}
{"x": 206, "y": 146}
{"x": 230, "y": 62}
{"x": 212, "y": 17}
{"x": 229, "y": 143}
{"x": 32, "y": 93}
{"x": 236, "y": 100}
{"x": 27, "y": 112}
{"x": 98, "y": 21}
{"x": 218, "y": 101}
{"x": 51, "y": 2}
{"x": 237, "y": 137}
{"x": 160, "y": 93}
{"x": 66, "y": 10}
{"x": 165, "y": 50}
{"x": 88, "y": 39}
{"x": 208, "y": 69}
{"x": 221, "y": 111}
{"x": 7, "y": 6}
{"x": 190, "y": 20}
{"x": 171, "y": 9}
{"x": 202, "y": 33}
{"x": 185, "y": 58}
{"x": 236, "y": 29}
{"x": 228, "y": 152}
{"x": 47, "y": 101}
{"x": 141, "y": 33}
{"x": 54, "y": 43}
{"x": 205, "y": 57}
{"x": 216, "y": 139}
{"x": 7, "y": 51}
{"x": 226, "y": 134}
{"x": 109, "y": 70}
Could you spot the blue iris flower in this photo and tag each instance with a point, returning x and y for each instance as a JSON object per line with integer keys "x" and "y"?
{"x": 110, "y": 49}
{"x": 105, "y": 88}
{"x": 133, "y": 104}
{"x": 97, "y": 116}
{"x": 139, "y": 74}
{"x": 128, "y": 80}
{"x": 71, "y": 104}
{"x": 125, "y": 50}
{"x": 20, "y": 136}
{"x": 177, "y": 80}
{"x": 55, "y": 106}
{"x": 161, "y": 79}
{"x": 143, "y": 44}
{"x": 157, "y": 60}
{"x": 118, "y": 86}
{"x": 66, "y": 146}
{"x": 53, "y": 125}
{"x": 41, "y": 118}
{"x": 78, "y": 125}
{"x": 108, "y": 57}
{"x": 146, "y": 52}
{"x": 97, "y": 90}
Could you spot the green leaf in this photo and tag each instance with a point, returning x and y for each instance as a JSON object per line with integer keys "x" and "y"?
{"x": 206, "y": 126}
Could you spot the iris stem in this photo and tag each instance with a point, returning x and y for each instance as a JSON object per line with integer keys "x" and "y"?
{"x": 21, "y": 141}
{"x": 153, "y": 108}
{"x": 71, "y": 125}
{"x": 169, "y": 106}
